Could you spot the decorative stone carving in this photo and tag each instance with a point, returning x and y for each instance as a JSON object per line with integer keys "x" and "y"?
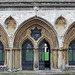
{"x": 36, "y": 10}
{"x": 60, "y": 24}
{"x": 10, "y": 24}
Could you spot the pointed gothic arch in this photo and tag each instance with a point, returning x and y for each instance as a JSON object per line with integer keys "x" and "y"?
{"x": 69, "y": 35}
{"x": 44, "y": 55}
{"x": 3, "y": 45}
{"x": 35, "y": 21}
{"x": 27, "y": 55}
{"x": 24, "y": 39}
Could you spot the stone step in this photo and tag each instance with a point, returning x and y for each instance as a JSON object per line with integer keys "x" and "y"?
{"x": 69, "y": 68}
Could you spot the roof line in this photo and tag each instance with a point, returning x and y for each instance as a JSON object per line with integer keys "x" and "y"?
{"x": 24, "y": 4}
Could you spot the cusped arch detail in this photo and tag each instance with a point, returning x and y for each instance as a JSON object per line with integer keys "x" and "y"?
{"x": 35, "y": 21}
{"x": 47, "y": 39}
{"x": 24, "y": 39}
{"x": 69, "y": 35}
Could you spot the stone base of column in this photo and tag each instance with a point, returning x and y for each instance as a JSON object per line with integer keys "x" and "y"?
{"x": 35, "y": 69}
{"x": 9, "y": 70}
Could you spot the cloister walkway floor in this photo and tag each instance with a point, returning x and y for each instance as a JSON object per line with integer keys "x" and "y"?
{"x": 43, "y": 72}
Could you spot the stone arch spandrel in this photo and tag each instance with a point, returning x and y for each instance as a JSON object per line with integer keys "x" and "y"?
{"x": 69, "y": 36}
{"x": 35, "y": 21}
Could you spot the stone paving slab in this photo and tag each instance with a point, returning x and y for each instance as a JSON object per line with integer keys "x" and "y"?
{"x": 37, "y": 0}
{"x": 39, "y": 73}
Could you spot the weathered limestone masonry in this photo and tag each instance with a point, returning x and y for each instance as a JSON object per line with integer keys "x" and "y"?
{"x": 55, "y": 18}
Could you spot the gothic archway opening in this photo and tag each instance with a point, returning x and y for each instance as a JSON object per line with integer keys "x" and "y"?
{"x": 27, "y": 55}
{"x": 1, "y": 54}
{"x": 44, "y": 55}
{"x": 71, "y": 53}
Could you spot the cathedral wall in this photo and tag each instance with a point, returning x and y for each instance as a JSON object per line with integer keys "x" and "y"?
{"x": 12, "y": 19}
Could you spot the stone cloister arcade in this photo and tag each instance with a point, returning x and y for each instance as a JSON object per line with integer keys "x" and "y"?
{"x": 35, "y": 30}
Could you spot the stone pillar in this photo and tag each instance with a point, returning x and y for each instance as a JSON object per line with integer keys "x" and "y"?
{"x": 20, "y": 61}
{"x": 64, "y": 58}
{"x": 60, "y": 59}
{"x": 55, "y": 58}
{"x": 35, "y": 57}
{"x": 7, "y": 57}
{"x": 60, "y": 52}
{"x": 11, "y": 47}
{"x": 13, "y": 57}
{"x": 10, "y": 59}
{"x": 16, "y": 57}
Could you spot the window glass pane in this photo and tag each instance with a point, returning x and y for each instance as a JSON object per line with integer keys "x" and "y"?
{"x": 0, "y": 56}
{"x": 70, "y": 56}
{"x": 73, "y": 55}
{"x": 29, "y": 56}
{"x": 1, "y": 53}
{"x": 39, "y": 56}
{"x": 36, "y": 33}
{"x": 43, "y": 56}
{"x": 27, "y": 51}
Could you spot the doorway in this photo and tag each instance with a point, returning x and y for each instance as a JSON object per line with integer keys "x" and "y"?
{"x": 44, "y": 55}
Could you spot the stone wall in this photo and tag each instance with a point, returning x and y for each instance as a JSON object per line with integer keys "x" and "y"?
{"x": 45, "y": 18}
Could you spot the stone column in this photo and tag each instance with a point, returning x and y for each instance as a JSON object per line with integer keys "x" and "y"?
{"x": 20, "y": 61}
{"x": 60, "y": 59}
{"x": 11, "y": 47}
{"x": 35, "y": 57}
{"x": 10, "y": 59}
{"x": 60, "y": 55}
{"x": 13, "y": 57}
{"x": 55, "y": 58}
{"x": 65, "y": 59}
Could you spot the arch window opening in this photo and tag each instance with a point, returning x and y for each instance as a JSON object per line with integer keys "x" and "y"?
{"x": 71, "y": 53}
{"x": 27, "y": 55}
{"x": 1, "y": 54}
